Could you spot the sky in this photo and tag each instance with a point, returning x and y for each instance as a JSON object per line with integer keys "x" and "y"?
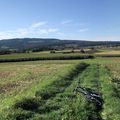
{"x": 97, "y": 20}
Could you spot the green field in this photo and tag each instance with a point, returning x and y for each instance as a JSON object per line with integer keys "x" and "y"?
{"x": 43, "y": 90}
{"x": 45, "y": 54}
{"x": 19, "y": 57}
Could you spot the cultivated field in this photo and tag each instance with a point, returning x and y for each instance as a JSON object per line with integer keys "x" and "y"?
{"x": 46, "y": 90}
{"x": 45, "y": 54}
{"x": 108, "y": 53}
{"x": 42, "y": 56}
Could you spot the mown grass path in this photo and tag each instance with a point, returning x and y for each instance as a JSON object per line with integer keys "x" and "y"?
{"x": 111, "y": 108}
{"x": 99, "y": 78}
{"x": 90, "y": 79}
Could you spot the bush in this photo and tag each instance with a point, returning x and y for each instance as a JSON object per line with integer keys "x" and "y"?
{"x": 52, "y": 51}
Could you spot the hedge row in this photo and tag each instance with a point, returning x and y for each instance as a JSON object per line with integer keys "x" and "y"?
{"x": 108, "y": 55}
{"x": 48, "y": 58}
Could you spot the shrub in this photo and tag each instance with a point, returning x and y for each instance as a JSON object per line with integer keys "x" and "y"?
{"x": 52, "y": 51}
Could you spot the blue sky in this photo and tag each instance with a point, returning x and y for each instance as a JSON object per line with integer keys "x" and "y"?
{"x": 63, "y": 19}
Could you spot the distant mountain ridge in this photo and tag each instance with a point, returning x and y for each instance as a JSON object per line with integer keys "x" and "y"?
{"x": 50, "y": 43}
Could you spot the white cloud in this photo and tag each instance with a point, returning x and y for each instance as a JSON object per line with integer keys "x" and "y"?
{"x": 39, "y": 24}
{"x": 47, "y": 31}
{"x": 106, "y": 38}
{"x": 83, "y": 30}
{"x": 5, "y": 35}
{"x": 66, "y": 22}
{"x": 35, "y": 29}
{"x": 83, "y": 24}
{"x": 42, "y": 31}
{"x": 22, "y": 31}
{"x": 65, "y": 29}
{"x": 52, "y": 30}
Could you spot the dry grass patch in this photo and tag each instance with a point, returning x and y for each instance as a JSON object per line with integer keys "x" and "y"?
{"x": 5, "y": 74}
{"x": 111, "y": 52}
{"x": 7, "y": 87}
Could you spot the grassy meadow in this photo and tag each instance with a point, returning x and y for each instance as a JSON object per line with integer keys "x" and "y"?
{"x": 44, "y": 90}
